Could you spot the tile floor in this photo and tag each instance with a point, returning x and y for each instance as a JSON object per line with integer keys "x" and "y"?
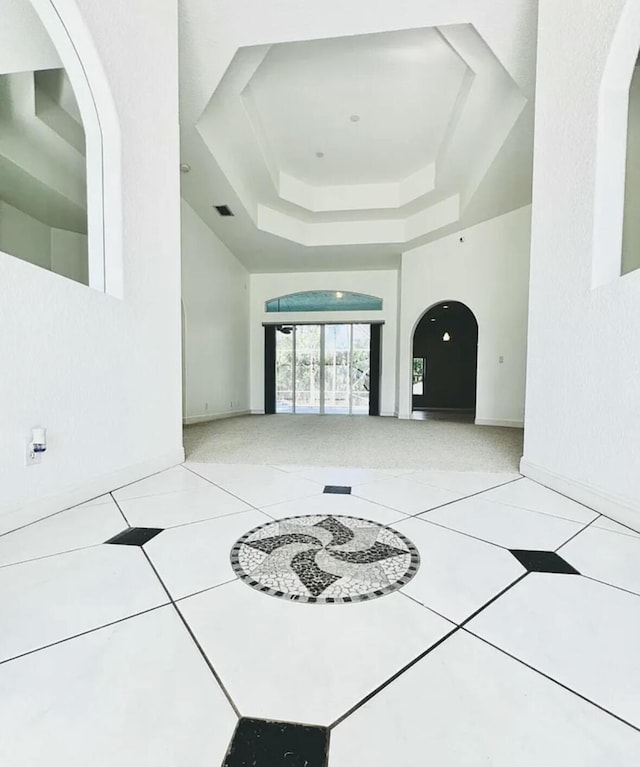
{"x": 515, "y": 642}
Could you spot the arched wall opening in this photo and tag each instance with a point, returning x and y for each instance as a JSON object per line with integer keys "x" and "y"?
{"x": 60, "y": 163}
{"x": 445, "y": 359}
{"x": 616, "y": 234}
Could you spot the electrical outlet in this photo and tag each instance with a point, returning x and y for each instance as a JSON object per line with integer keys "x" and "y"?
{"x": 501, "y": 359}
{"x": 206, "y": 405}
{"x": 32, "y": 458}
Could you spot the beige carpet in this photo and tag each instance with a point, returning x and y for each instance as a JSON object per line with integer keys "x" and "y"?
{"x": 376, "y": 443}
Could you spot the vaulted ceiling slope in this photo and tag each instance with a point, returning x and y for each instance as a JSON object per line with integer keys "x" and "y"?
{"x": 342, "y": 134}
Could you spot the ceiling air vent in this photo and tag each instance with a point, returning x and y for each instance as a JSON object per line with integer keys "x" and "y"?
{"x": 223, "y": 210}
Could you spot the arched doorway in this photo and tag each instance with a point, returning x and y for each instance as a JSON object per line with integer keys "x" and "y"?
{"x": 445, "y": 361}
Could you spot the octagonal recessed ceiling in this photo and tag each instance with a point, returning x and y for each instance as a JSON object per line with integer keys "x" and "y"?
{"x": 471, "y": 180}
{"x": 434, "y": 106}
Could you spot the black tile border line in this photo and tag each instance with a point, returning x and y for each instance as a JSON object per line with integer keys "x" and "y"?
{"x": 85, "y": 633}
{"x": 172, "y": 602}
{"x": 462, "y": 627}
{"x": 422, "y": 655}
{"x": 551, "y": 679}
{"x": 193, "y": 637}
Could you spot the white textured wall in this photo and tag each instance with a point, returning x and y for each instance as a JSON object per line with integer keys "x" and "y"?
{"x": 100, "y": 373}
{"x": 69, "y": 255}
{"x": 215, "y": 295}
{"x": 582, "y": 432}
{"x": 489, "y": 273}
{"x": 376, "y": 283}
{"x": 24, "y": 237}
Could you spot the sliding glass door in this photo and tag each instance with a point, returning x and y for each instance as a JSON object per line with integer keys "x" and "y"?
{"x": 323, "y": 369}
{"x": 307, "y": 363}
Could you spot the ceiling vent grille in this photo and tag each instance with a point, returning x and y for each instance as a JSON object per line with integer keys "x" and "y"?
{"x": 224, "y": 210}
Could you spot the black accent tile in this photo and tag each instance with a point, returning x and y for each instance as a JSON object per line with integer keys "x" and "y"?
{"x": 135, "y": 536}
{"x": 261, "y": 743}
{"x": 543, "y": 562}
{"x": 338, "y": 489}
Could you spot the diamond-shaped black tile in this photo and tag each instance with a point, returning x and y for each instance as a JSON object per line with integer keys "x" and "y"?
{"x": 338, "y": 489}
{"x": 135, "y": 536}
{"x": 543, "y": 562}
{"x": 260, "y": 743}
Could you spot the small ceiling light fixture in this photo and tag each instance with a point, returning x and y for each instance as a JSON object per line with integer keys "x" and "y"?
{"x": 339, "y": 294}
{"x": 224, "y": 210}
{"x": 446, "y": 337}
{"x": 355, "y": 118}
{"x": 185, "y": 167}
{"x": 446, "y": 306}
{"x": 319, "y": 155}
{"x": 433, "y": 319}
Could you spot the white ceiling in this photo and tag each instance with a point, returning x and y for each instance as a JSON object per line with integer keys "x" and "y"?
{"x": 402, "y": 86}
{"x": 444, "y": 140}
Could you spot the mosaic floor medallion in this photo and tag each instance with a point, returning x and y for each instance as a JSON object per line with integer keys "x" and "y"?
{"x": 325, "y": 559}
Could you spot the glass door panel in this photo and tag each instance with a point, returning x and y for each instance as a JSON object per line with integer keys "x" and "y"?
{"x": 307, "y": 383}
{"x": 284, "y": 369}
{"x": 360, "y": 368}
{"x": 323, "y": 369}
{"x": 337, "y": 360}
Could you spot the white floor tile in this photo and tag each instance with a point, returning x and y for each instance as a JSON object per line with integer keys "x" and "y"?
{"x": 530, "y": 495}
{"x": 608, "y": 524}
{"x": 169, "y": 481}
{"x": 257, "y": 485}
{"x": 196, "y": 557}
{"x": 330, "y": 503}
{"x": 86, "y": 525}
{"x": 457, "y": 574}
{"x": 509, "y": 526}
{"x": 463, "y": 482}
{"x": 405, "y": 495}
{"x": 466, "y": 705}
{"x": 306, "y": 663}
{"x": 171, "y": 509}
{"x": 49, "y": 599}
{"x": 606, "y": 556}
{"x": 581, "y": 633}
{"x": 136, "y": 694}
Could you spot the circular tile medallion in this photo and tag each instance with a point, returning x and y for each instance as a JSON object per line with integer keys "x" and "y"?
{"x": 325, "y": 559}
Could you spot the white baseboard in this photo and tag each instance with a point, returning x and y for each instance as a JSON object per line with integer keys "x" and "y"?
{"x": 256, "y": 412}
{"x": 389, "y": 415}
{"x": 213, "y": 416}
{"x": 499, "y": 422}
{"x": 614, "y": 506}
{"x": 12, "y": 518}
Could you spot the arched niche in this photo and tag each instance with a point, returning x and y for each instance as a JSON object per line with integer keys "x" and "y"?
{"x": 615, "y": 121}
{"x": 445, "y": 358}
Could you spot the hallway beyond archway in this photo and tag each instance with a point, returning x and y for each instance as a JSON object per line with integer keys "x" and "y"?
{"x": 445, "y": 360}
